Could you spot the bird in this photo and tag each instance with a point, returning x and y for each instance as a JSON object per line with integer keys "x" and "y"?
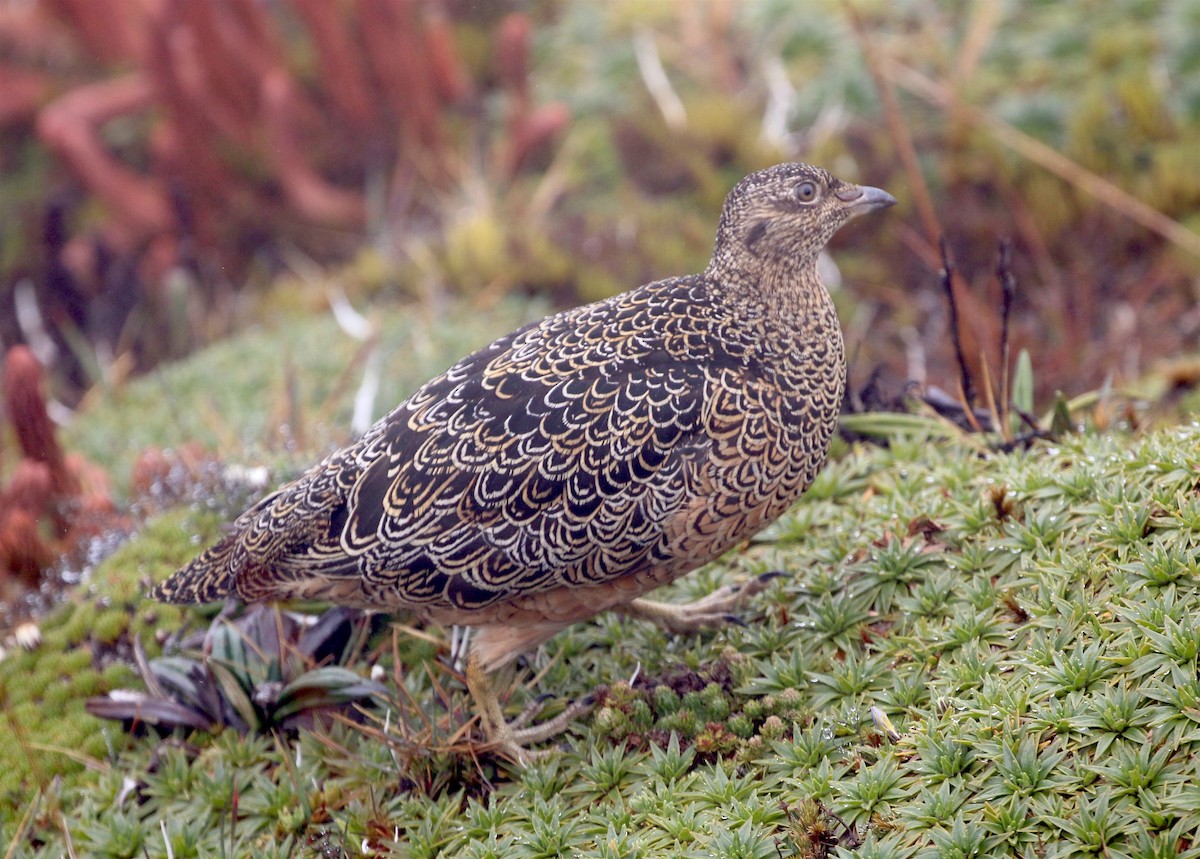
{"x": 578, "y": 463}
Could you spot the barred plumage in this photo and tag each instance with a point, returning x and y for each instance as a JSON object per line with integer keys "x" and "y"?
{"x": 577, "y": 463}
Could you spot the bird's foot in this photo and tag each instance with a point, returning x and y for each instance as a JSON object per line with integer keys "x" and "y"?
{"x": 715, "y": 609}
{"x": 512, "y": 739}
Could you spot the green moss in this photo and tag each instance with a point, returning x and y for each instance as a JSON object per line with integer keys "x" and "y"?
{"x": 110, "y": 626}
{"x": 682, "y": 721}
{"x": 163, "y": 544}
{"x": 24, "y": 711}
{"x": 85, "y": 684}
{"x": 79, "y": 624}
{"x": 93, "y": 743}
{"x": 1012, "y": 691}
{"x": 666, "y": 701}
{"x": 238, "y": 391}
{"x": 54, "y": 639}
{"x": 116, "y": 676}
{"x": 71, "y": 662}
{"x": 741, "y": 726}
{"x": 56, "y": 695}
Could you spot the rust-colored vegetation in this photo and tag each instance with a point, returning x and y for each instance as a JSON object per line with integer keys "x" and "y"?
{"x": 51, "y": 500}
{"x": 203, "y": 137}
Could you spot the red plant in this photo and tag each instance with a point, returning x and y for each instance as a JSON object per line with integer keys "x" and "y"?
{"x": 241, "y": 128}
{"x": 207, "y": 131}
{"x": 52, "y": 500}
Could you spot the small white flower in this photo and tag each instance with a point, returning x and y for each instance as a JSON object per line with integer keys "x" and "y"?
{"x": 28, "y": 635}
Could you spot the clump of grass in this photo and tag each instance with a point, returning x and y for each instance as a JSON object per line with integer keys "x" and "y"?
{"x": 85, "y": 651}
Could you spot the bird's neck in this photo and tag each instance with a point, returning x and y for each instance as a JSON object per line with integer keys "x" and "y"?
{"x": 786, "y": 297}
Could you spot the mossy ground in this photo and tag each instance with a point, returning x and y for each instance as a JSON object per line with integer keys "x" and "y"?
{"x": 1027, "y": 621}
{"x": 278, "y": 391}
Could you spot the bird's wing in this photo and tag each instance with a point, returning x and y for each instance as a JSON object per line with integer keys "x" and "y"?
{"x": 553, "y": 458}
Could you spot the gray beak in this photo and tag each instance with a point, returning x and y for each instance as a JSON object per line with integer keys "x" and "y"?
{"x": 864, "y": 198}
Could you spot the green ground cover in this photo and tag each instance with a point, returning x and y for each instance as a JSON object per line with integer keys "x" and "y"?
{"x": 1027, "y": 621}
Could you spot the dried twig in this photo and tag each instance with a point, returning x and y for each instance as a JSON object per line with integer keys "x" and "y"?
{"x": 1039, "y": 153}
{"x": 947, "y": 278}
{"x": 1008, "y": 291}
{"x": 654, "y": 76}
{"x": 902, "y": 140}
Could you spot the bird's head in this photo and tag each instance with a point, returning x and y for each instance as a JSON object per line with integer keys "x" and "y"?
{"x": 786, "y": 215}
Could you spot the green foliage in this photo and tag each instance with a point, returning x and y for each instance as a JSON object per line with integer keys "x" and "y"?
{"x": 289, "y": 372}
{"x": 84, "y": 653}
{"x": 1038, "y": 658}
{"x": 264, "y": 671}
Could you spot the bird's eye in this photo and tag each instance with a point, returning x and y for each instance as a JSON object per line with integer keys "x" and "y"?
{"x": 806, "y": 192}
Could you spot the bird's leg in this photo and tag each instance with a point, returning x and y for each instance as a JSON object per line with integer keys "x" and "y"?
{"x": 510, "y": 738}
{"x": 713, "y": 610}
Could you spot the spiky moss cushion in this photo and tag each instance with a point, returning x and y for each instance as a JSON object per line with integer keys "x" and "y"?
{"x": 1029, "y": 623}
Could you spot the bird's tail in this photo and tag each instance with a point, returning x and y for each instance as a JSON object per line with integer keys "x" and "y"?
{"x": 210, "y": 577}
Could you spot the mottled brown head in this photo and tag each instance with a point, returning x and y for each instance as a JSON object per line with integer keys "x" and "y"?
{"x": 784, "y": 216}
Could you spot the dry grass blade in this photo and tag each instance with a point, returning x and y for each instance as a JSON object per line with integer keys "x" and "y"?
{"x": 1041, "y": 154}
{"x": 22, "y": 824}
{"x": 899, "y": 131}
{"x": 1008, "y": 291}
{"x": 654, "y": 76}
{"x": 947, "y": 279}
{"x": 989, "y": 398}
{"x": 985, "y": 16}
{"x": 82, "y": 758}
{"x": 413, "y": 728}
{"x": 66, "y": 831}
